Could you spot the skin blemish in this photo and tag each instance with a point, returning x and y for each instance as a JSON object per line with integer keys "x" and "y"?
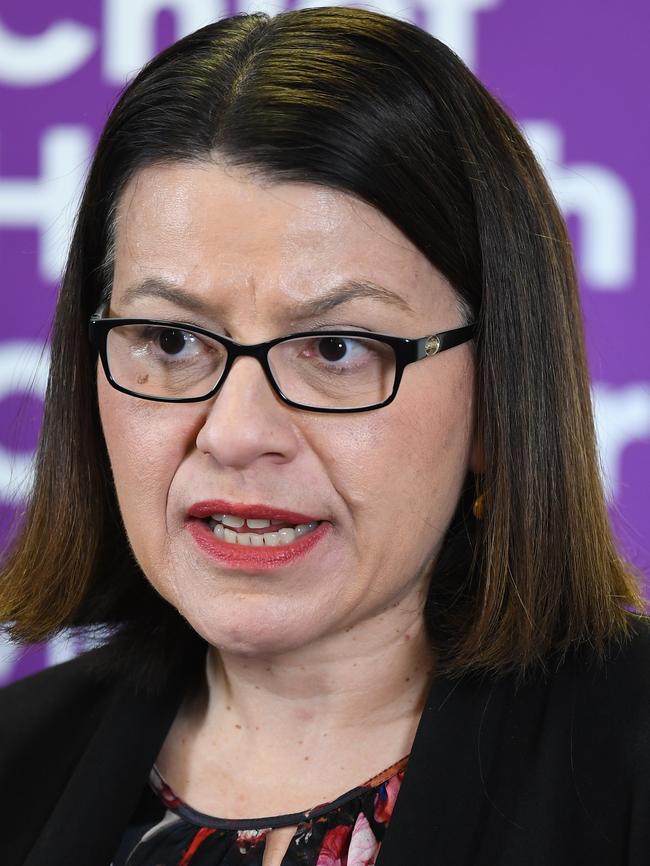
{"x": 304, "y": 715}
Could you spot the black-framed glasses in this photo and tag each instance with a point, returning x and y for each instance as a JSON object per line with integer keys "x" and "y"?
{"x": 320, "y": 371}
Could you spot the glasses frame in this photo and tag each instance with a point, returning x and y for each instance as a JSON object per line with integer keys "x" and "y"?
{"x": 407, "y": 351}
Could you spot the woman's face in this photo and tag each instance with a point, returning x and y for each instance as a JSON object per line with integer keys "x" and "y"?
{"x": 217, "y": 248}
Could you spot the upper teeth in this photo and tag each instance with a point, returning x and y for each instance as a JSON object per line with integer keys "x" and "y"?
{"x": 283, "y": 536}
{"x": 237, "y": 522}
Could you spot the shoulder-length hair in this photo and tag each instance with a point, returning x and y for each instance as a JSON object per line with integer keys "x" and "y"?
{"x": 376, "y": 107}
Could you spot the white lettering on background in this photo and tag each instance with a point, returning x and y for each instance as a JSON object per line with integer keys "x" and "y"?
{"x": 23, "y": 370}
{"x": 70, "y": 642}
{"x": 9, "y": 654}
{"x": 48, "y": 203}
{"x": 454, "y": 22}
{"x": 66, "y": 645}
{"x": 602, "y": 202}
{"x": 622, "y": 418}
{"x": 30, "y": 61}
{"x": 129, "y": 35}
{"x": 130, "y": 26}
{"x": 62, "y": 648}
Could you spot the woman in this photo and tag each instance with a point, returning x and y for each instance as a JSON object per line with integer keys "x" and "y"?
{"x": 318, "y": 449}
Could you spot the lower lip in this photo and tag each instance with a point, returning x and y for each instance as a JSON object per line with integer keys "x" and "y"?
{"x": 258, "y": 558}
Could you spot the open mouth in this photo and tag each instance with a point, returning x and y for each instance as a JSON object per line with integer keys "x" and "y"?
{"x": 257, "y": 532}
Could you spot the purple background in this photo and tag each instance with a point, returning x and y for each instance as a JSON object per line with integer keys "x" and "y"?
{"x": 577, "y": 71}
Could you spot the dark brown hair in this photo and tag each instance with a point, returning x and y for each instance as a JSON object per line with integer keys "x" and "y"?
{"x": 376, "y": 107}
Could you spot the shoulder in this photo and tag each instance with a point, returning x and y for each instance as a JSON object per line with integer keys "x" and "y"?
{"x": 54, "y": 709}
{"x": 80, "y": 739}
{"x": 620, "y": 678}
{"x": 75, "y": 679}
{"x": 636, "y": 649}
{"x": 626, "y": 667}
{"x": 581, "y": 701}
{"x": 603, "y": 706}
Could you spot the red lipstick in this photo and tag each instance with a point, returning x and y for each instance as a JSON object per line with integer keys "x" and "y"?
{"x": 267, "y": 512}
{"x": 244, "y": 557}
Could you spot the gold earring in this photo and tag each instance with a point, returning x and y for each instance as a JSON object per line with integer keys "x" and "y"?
{"x": 478, "y": 507}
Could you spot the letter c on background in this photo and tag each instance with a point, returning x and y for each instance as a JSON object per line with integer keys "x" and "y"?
{"x": 24, "y": 367}
{"x": 30, "y": 61}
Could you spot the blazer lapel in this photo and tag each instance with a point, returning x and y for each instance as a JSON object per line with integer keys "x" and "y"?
{"x": 86, "y": 825}
{"x": 468, "y": 762}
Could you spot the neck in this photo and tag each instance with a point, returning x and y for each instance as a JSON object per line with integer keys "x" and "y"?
{"x": 372, "y": 678}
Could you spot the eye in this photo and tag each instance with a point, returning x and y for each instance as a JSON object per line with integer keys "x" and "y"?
{"x": 334, "y": 349}
{"x": 173, "y": 341}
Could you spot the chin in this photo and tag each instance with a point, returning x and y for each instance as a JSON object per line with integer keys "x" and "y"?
{"x": 250, "y": 634}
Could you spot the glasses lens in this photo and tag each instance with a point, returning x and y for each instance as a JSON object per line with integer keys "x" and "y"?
{"x": 330, "y": 371}
{"x": 161, "y": 361}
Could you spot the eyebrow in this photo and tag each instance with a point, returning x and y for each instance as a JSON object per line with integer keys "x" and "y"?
{"x": 343, "y": 293}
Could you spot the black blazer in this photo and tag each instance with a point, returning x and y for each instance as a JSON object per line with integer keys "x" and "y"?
{"x": 555, "y": 772}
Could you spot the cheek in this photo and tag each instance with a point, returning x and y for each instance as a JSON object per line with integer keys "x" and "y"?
{"x": 439, "y": 431}
{"x": 145, "y": 447}
{"x": 409, "y": 461}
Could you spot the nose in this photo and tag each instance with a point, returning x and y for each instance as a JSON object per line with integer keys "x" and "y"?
{"x": 246, "y": 421}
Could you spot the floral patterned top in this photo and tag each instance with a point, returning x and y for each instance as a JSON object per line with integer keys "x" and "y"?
{"x": 348, "y": 831}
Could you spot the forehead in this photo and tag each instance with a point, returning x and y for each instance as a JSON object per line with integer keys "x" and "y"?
{"x": 218, "y": 231}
